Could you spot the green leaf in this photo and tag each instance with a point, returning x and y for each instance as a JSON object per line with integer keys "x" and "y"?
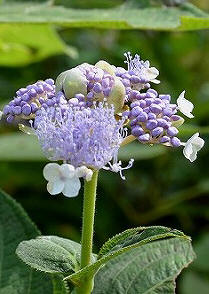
{"x": 153, "y": 18}
{"x": 19, "y": 147}
{"x": 151, "y": 268}
{"x": 193, "y": 283}
{"x": 139, "y": 151}
{"x": 50, "y": 254}
{"x": 15, "y": 277}
{"x": 122, "y": 243}
{"x": 22, "y": 44}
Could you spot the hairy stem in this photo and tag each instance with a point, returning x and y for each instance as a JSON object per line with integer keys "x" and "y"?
{"x": 88, "y": 229}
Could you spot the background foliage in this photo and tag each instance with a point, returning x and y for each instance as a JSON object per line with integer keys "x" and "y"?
{"x": 162, "y": 188}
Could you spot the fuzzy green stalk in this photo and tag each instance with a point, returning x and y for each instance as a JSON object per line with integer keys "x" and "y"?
{"x": 88, "y": 229}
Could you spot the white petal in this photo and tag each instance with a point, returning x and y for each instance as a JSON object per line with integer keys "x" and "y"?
{"x": 185, "y": 106}
{"x": 1, "y": 113}
{"x": 156, "y": 81}
{"x": 152, "y": 73}
{"x": 51, "y": 172}
{"x": 81, "y": 171}
{"x": 192, "y": 146}
{"x": 187, "y": 151}
{"x": 72, "y": 187}
{"x": 67, "y": 170}
{"x": 55, "y": 187}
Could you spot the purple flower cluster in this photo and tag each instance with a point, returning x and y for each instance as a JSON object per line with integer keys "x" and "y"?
{"x": 99, "y": 83}
{"x": 152, "y": 118}
{"x": 81, "y": 136}
{"x": 28, "y": 100}
{"x": 137, "y": 77}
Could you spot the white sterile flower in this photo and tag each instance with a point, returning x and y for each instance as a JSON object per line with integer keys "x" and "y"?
{"x": 185, "y": 106}
{"x": 62, "y": 179}
{"x": 84, "y": 172}
{"x": 192, "y": 146}
{"x": 1, "y": 113}
{"x": 151, "y": 74}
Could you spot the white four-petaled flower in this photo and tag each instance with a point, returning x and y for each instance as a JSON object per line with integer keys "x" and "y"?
{"x": 65, "y": 178}
{"x": 185, "y": 106}
{"x": 192, "y": 146}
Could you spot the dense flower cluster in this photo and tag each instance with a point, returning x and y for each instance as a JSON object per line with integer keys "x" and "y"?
{"x": 28, "y": 100}
{"x": 88, "y": 136}
{"x": 91, "y": 110}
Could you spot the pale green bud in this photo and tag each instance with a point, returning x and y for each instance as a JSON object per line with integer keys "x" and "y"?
{"x": 178, "y": 123}
{"x": 71, "y": 82}
{"x": 117, "y": 95}
{"x": 106, "y": 67}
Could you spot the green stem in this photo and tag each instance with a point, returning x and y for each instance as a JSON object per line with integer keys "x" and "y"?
{"x": 88, "y": 229}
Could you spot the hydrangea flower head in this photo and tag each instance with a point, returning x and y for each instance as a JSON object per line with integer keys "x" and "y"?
{"x": 80, "y": 136}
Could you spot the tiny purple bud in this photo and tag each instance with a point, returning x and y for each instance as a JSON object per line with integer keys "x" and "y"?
{"x": 136, "y": 111}
{"x": 155, "y": 108}
{"x": 133, "y": 94}
{"x": 106, "y": 83}
{"x": 167, "y": 111}
{"x": 26, "y": 109}
{"x": 126, "y": 83}
{"x": 157, "y": 131}
{"x": 175, "y": 117}
{"x": 153, "y": 92}
{"x": 90, "y": 95}
{"x": 142, "y": 117}
{"x": 146, "y": 109}
{"x": 151, "y": 115}
{"x": 26, "y": 97}
{"x": 149, "y": 101}
{"x": 49, "y": 81}
{"x": 144, "y": 138}
{"x": 165, "y": 97}
{"x": 6, "y": 109}
{"x": 80, "y": 97}
{"x": 97, "y": 88}
{"x": 175, "y": 142}
{"x": 106, "y": 92}
{"x": 133, "y": 122}
{"x": 163, "y": 123}
{"x": 164, "y": 139}
{"x": 151, "y": 124}
{"x": 17, "y": 110}
{"x": 142, "y": 103}
{"x": 32, "y": 93}
{"x": 39, "y": 89}
{"x": 34, "y": 107}
{"x": 134, "y": 79}
{"x": 137, "y": 131}
{"x": 135, "y": 103}
{"x": 172, "y": 131}
{"x": 10, "y": 118}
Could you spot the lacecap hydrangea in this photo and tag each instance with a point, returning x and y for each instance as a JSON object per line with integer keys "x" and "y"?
{"x": 90, "y": 111}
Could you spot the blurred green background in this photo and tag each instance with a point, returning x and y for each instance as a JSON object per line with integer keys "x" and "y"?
{"x": 162, "y": 187}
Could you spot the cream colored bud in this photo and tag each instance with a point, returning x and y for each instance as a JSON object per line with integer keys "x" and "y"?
{"x": 106, "y": 67}
{"x": 117, "y": 95}
{"x": 72, "y": 82}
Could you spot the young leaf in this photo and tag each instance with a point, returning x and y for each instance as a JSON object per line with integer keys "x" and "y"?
{"x": 152, "y": 18}
{"x": 15, "y": 277}
{"x": 151, "y": 268}
{"x": 50, "y": 254}
{"x": 122, "y": 243}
